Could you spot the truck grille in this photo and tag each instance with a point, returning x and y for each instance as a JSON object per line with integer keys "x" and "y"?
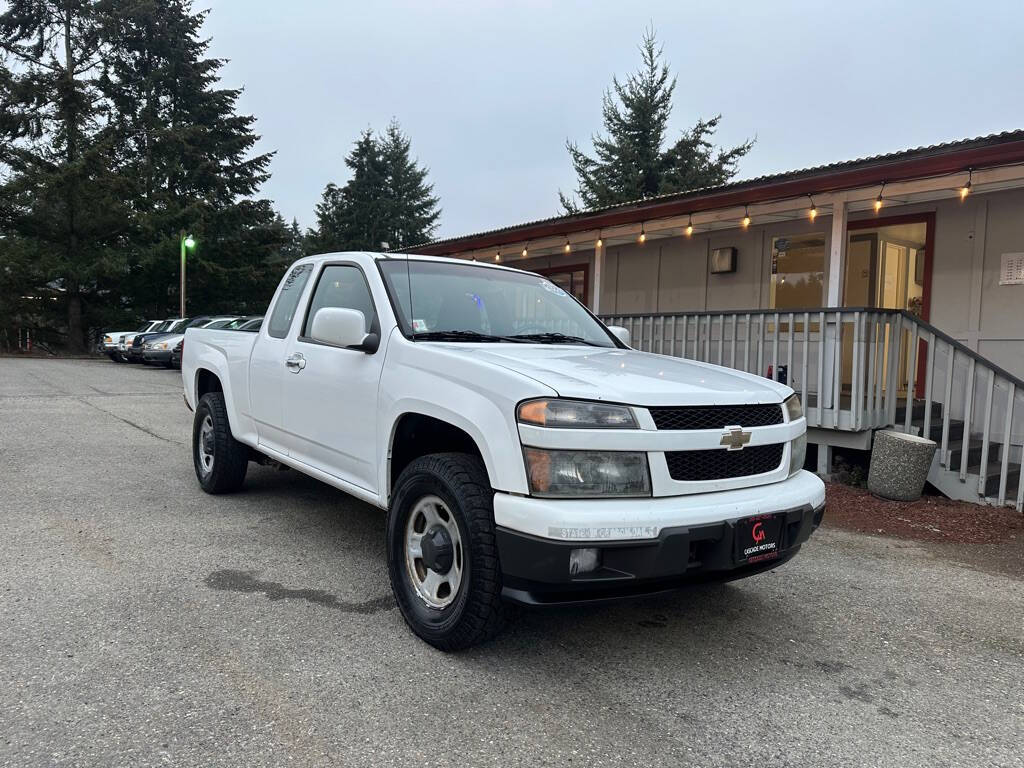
{"x": 716, "y": 416}
{"x": 719, "y": 464}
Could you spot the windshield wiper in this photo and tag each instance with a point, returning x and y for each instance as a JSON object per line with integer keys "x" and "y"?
{"x": 554, "y": 338}
{"x": 462, "y": 336}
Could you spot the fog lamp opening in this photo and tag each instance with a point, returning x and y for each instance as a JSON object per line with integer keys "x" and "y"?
{"x": 584, "y": 560}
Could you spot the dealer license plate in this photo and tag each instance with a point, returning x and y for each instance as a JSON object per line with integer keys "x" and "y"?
{"x": 758, "y": 538}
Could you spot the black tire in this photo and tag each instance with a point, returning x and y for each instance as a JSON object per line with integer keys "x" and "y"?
{"x": 116, "y": 357}
{"x": 230, "y": 458}
{"x": 477, "y": 612}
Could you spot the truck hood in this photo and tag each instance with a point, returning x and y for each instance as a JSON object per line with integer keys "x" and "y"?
{"x": 626, "y": 375}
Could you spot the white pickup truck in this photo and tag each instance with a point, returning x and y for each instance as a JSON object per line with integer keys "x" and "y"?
{"x": 523, "y": 452}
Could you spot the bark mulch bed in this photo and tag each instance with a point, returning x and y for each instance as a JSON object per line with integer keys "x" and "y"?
{"x": 931, "y": 518}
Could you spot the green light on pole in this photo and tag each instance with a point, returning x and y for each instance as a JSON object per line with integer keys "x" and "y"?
{"x": 188, "y": 243}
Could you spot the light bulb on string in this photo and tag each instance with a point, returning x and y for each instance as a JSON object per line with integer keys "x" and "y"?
{"x": 600, "y": 241}
{"x": 746, "y": 217}
{"x": 689, "y": 226}
{"x": 966, "y": 188}
{"x": 643, "y": 235}
{"x": 497, "y": 256}
{"x": 526, "y": 250}
{"x": 813, "y": 213}
{"x": 878, "y": 200}
{"x": 567, "y": 246}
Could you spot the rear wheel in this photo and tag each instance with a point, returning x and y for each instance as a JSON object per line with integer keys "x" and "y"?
{"x": 442, "y": 556}
{"x": 220, "y": 460}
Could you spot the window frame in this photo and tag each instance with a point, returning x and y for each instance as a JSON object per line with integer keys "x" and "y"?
{"x": 374, "y": 322}
{"x": 570, "y": 268}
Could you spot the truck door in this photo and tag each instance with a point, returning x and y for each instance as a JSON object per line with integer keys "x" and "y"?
{"x": 268, "y": 364}
{"x": 331, "y": 404}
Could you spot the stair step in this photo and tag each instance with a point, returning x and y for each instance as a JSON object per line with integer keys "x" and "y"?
{"x": 974, "y": 450}
{"x": 956, "y": 430}
{"x": 991, "y": 474}
{"x": 917, "y": 412}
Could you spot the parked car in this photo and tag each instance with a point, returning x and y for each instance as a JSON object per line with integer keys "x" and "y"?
{"x": 252, "y": 325}
{"x": 177, "y": 352}
{"x": 134, "y": 347}
{"x": 523, "y": 452}
{"x": 109, "y": 344}
{"x": 157, "y": 350}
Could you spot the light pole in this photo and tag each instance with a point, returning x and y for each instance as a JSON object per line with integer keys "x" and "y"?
{"x": 188, "y": 243}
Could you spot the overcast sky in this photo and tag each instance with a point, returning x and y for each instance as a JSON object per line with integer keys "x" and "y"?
{"x": 490, "y": 91}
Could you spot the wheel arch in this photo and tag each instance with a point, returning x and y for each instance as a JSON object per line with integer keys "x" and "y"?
{"x": 415, "y": 434}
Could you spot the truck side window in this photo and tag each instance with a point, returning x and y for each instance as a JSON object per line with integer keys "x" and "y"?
{"x": 284, "y": 309}
{"x": 345, "y": 287}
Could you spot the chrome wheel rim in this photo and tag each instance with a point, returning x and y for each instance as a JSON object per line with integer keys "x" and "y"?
{"x": 205, "y": 448}
{"x": 433, "y": 552}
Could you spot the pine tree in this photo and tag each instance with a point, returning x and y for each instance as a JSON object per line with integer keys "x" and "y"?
{"x": 59, "y": 194}
{"x": 412, "y": 209}
{"x": 188, "y": 154}
{"x": 631, "y": 162}
{"x": 387, "y": 199}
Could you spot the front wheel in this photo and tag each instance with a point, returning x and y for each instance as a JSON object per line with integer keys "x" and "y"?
{"x": 220, "y": 460}
{"x": 442, "y": 556}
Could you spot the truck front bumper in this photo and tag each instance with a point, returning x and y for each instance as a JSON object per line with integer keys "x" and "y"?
{"x": 644, "y": 546}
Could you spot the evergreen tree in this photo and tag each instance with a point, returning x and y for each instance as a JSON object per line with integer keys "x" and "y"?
{"x": 631, "y": 161}
{"x": 387, "y": 199}
{"x": 412, "y": 209}
{"x": 59, "y": 194}
{"x": 188, "y": 154}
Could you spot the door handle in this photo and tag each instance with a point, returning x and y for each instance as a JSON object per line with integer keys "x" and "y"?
{"x": 295, "y": 363}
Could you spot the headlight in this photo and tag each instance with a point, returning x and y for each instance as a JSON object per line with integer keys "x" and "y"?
{"x": 587, "y": 474}
{"x": 797, "y": 454}
{"x": 162, "y": 345}
{"x": 793, "y": 407}
{"x": 576, "y": 414}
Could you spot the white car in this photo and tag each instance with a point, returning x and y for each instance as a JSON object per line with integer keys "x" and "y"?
{"x": 111, "y": 342}
{"x": 522, "y": 451}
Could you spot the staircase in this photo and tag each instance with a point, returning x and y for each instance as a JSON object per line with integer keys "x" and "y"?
{"x": 856, "y": 369}
{"x": 980, "y": 460}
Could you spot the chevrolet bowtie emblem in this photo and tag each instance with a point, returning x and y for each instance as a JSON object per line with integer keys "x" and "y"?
{"x": 735, "y": 438}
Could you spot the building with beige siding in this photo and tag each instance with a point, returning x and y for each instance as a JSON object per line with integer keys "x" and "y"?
{"x": 888, "y": 291}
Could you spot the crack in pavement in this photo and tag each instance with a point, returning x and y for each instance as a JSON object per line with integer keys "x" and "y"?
{"x": 139, "y": 427}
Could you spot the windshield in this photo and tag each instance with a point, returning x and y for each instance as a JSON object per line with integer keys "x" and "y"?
{"x": 467, "y": 302}
{"x": 161, "y": 327}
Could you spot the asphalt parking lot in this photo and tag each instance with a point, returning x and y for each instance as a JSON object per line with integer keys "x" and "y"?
{"x": 144, "y": 623}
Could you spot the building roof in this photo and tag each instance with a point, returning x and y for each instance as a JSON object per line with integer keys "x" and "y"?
{"x": 920, "y": 162}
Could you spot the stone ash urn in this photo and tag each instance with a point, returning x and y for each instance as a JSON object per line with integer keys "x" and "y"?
{"x": 899, "y": 465}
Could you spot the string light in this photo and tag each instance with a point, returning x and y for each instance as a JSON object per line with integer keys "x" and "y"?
{"x": 643, "y": 235}
{"x": 600, "y": 242}
{"x": 966, "y": 188}
{"x": 497, "y": 256}
{"x": 814, "y": 209}
{"x": 878, "y": 200}
{"x": 567, "y": 246}
{"x": 689, "y": 226}
{"x": 746, "y": 217}
{"x": 525, "y": 251}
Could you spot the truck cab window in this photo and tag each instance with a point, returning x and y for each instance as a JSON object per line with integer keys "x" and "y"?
{"x": 344, "y": 287}
{"x": 284, "y": 309}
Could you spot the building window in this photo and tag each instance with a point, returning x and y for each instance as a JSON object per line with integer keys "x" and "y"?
{"x": 572, "y": 279}
{"x": 798, "y": 271}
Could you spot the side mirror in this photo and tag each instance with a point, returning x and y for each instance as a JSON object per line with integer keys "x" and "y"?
{"x": 620, "y": 333}
{"x": 342, "y": 327}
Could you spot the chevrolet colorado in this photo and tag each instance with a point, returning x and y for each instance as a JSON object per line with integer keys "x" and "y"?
{"x": 523, "y": 452}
